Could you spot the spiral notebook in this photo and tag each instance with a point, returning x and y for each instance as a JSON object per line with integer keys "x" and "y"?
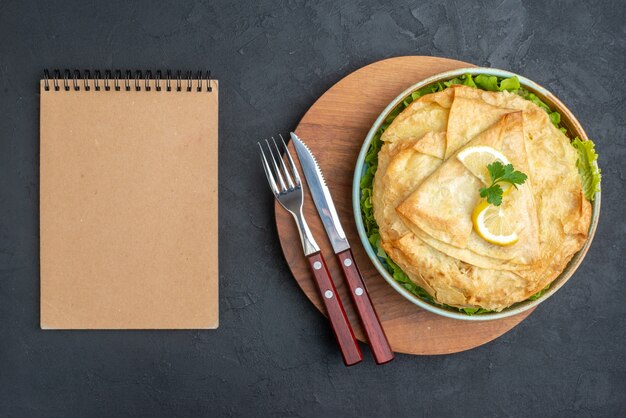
{"x": 128, "y": 200}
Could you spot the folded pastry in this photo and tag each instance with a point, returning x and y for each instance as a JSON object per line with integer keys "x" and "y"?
{"x": 424, "y": 197}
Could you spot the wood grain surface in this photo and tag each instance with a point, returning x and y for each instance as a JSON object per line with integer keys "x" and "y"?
{"x": 334, "y": 128}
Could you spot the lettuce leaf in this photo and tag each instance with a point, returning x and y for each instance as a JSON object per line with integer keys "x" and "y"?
{"x": 588, "y": 170}
{"x": 589, "y": 173}
{"x": 510, "y": 84}
{"x": 555, "y": 117}
{"x": 487, "y": 82}
{"x": 540, "y": 293}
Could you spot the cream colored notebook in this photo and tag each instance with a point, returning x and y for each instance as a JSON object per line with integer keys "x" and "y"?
{"x": 128, "y": 202}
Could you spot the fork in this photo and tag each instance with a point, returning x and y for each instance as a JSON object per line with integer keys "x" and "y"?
{"x": 285, "y": 183}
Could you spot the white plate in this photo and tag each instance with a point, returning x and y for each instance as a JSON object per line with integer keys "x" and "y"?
{"x": 567, "y": 119}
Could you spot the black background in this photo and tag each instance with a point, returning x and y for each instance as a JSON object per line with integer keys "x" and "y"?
{"x": 273, "y": 353}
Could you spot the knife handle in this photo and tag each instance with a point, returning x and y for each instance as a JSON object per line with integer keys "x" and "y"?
{"x": 350, "y": 350}
{"x": 378, "y": 340}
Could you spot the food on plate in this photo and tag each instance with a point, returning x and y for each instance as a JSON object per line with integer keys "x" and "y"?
{"x": 477, "y": 199}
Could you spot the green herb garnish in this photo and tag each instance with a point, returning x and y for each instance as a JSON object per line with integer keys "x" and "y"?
{"x": 501, "y": 173}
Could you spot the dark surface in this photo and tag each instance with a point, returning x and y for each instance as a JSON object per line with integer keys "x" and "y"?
{"x": 273, "y": 353}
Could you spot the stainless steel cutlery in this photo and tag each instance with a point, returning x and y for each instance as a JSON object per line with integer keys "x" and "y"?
{"x": 286, "y": 185}
{"x": 326, "y": 208}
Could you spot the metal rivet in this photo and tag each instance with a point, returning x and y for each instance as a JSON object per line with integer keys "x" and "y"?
{"x": 328, "y": 294}
{"x": 317, "y": 265}
{"x": 358, "y": 291}
{"x": 347, "y": 262}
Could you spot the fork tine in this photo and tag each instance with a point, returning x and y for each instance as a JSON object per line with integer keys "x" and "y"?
{"x": 268, "y": 171}
{"x": 294, "y": 170}
{"x": 283, "y": 187}
{"x": 282, "y": 164}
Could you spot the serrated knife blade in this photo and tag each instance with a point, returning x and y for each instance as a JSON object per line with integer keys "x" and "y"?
{"x": 321, "y": 195}
{"x": 379, "y": 344}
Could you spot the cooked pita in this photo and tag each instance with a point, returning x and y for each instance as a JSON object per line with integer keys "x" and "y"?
{"x": 505, "y": 136}
{"x": 423, "y": 197}
{"x": 468, "y": 118}
{"x": 427, "y": 114}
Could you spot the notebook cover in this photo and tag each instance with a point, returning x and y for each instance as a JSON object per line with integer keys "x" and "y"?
{"x": 128, "y": 209}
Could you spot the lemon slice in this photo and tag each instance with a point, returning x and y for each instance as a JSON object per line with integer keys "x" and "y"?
{"x": 493, "y": 224}
{"x": 476, "y": 159}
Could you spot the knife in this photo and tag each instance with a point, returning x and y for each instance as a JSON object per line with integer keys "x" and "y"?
{"x": 325, "y": 207}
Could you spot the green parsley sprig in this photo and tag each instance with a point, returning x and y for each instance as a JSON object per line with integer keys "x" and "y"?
{"x": 501, "y": 173}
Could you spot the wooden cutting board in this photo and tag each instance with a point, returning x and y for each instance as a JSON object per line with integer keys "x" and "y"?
{"x": 334, "y": 128}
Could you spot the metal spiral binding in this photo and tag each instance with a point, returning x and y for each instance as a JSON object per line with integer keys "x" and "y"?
{"x": 72, "y": 80}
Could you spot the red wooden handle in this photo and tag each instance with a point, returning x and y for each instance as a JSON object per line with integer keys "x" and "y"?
{"x": 350, "y": 350}
{"x": 378, "y": 341}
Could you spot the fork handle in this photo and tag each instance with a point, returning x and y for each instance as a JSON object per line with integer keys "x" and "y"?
{"x": 350, "y": 350}
{"x": 376, "y": 335}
